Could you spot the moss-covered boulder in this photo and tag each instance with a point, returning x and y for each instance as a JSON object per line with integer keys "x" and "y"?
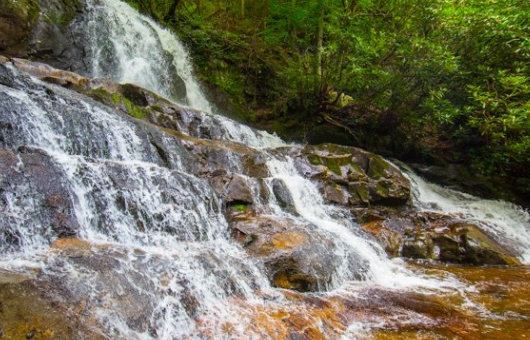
{"x": 351, "y": 176}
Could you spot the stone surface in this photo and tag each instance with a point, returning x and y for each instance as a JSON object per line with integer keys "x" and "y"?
{"x": 351, "y": 176}
{"x": 17, "y": 19}
{"x": 29, "y": 310}
{"x": 295, "y": 257}
{"x": 31, "y": 182}
{"x": 283, "y": 196}
{"x": 438, "y": 237}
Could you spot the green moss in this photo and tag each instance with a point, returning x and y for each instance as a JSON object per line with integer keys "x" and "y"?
{"x": 334, "y": 167}
{"x": 116, "y": 98}
{"x": 378, "y": 167}
{"x": 102, "y": 96}
{"x": 362, "y": 193}
{"x": 356, "y": 173}
{"x": 26, "y": 9}
{"x": 239, "y": 207}
{"x": 315, "y": 159}
{"x": 134, "y": 110}
{"x": 382, "y": 190}
{"x": 118, "y": 101}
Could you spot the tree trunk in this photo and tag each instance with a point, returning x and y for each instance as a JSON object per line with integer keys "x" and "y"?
{"x": 320, "y": 38}
{"x": 172, "y": 9}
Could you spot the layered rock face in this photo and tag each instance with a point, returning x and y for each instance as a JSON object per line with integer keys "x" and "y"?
{"x": 263, "y": 216}
{"x": 345, "y": 176}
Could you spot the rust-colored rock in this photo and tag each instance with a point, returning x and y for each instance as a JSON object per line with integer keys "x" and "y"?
{"x": 438, "y": 237}
{"x": 29, "y": 311}
{"x": 296, "y": 257}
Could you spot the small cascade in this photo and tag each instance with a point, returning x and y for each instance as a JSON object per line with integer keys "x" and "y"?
{"x": 507, "y": 223}
{"x": 361, "y": 258}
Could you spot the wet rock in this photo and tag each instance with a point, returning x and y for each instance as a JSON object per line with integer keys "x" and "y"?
{"x": 50, "y": 74}
{"x": 438, "y": 237}
{"x": 237, "y": 190}
{"x": 136, "y": 94}
{"x": 337, "y": 194}
{"x": 389, "y": 239}
{"x": 351, "y": 176}
{"x": 419, "y": 246}
{"x": 6, "y": 77}
{"x": 31, "y": 184}
{"x": 296, "y": 257}
{"x": 233, "y": 189}
{"x": 283, "y": 195}
{"x": 29, "y": 310}
{"x": 124, "y": 293}
{"x": 210, "y": 156}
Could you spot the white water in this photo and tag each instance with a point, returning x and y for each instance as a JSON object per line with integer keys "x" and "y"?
{"x": 506, "y": 222}
{"x": 309, "y": 203}
{"x": 168, "y": 236}
{"x": 182, "y": 246}
{"x": 132, "y": 48}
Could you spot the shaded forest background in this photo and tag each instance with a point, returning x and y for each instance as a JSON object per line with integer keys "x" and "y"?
{"x": 437, "y": 82}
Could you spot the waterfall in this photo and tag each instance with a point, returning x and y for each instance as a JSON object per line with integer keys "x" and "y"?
{"x": 132, "y": 48}
{"x": 114, "y": 213}
{"x": 165, "y": 225}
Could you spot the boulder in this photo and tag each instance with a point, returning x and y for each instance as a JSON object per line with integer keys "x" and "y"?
{"x": 50, "y": 74}
{"x": 350, "y": 176}
{"x": 438, "y": 237}
{"x": 283, "y": 196}
{"x": 237, "y": 191}
{"x": 296, "y": 256}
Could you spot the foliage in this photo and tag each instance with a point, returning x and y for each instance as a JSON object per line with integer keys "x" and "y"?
{"x": 445, "y": 80}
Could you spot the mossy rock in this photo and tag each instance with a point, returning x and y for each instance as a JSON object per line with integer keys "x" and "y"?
{"x": 17, "y": 21}
{"x": 379, "y": 168}
{"x": 369, "y": 178}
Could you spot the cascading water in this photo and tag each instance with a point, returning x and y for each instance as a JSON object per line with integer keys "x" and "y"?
{"x": 154, "y": 257}
{"x": 165, "y": 225}
{"x": 132, "y": 48}
{"x": 508, "y": 223}
{"x": 129, "y": 47}
{"x": 352, "y": 245}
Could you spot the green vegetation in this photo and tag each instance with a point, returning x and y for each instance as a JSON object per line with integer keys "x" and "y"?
{"x": 436, "y": 81}
{"x": 240, "y": 207}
